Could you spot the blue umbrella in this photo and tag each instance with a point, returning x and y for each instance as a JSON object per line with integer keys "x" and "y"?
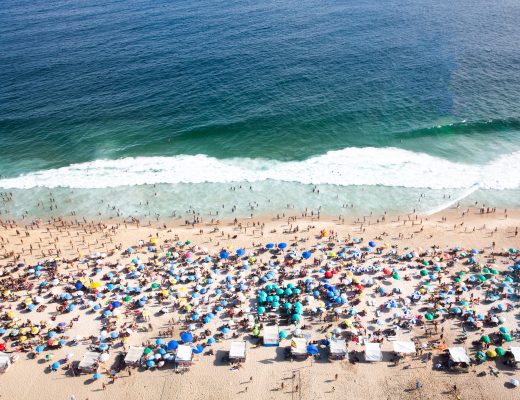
{"x": 103, "y": 346}
{"x": 159, "y": 342}
{"x": 306, "y": 255}
{"x": 241, "y": 252}
{"x": 172, "y": 345}
{"x": 372, "y": 244}
{"x": 56, "y": 365}
{"x": 96, "y": 376}
{"x": 224, "y": 254}
{"x": 269, "y": 246}
{"x": 150, "y": 363}
{"x": 186, "y": 337}
{"x": 312, "y": 350}
{"x": 282, "y": 245}
{"x": 198, "y": 349}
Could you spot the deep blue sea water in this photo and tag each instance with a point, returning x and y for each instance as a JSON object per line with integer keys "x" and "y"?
{"x": 375, "y": 101}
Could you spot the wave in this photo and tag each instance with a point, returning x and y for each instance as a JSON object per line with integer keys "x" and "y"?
{"x": 465, "y": 128}
{"x": 351, "y": 166}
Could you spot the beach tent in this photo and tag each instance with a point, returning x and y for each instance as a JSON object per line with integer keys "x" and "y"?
{"x": 459, "y": 355}
{"x": 133, "y": 356}
{"x": 373, "y": 352}
{"x": 184, "y": 355}
{"x": 299, "y": 348}
{"x": 338, "y": 349}
{"x": 270, "y": 336}
{"x": 516, "y": 353}
{"x": 5, "y": 362}
{"x": 404, "y": 347}
{"x": 237, "y": 351}
{"x": 89, "y": 361}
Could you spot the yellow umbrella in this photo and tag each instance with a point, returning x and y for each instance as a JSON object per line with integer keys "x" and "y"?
{"x": 7, "y": 293}
{"x": 95, "y": 285}
{"x": 23, "y": 330}
{"x": 9, "y": 314}
{"x": 22, "y": 339}
{"x": 27, "y": 301}
{"x": 35, "y": 330}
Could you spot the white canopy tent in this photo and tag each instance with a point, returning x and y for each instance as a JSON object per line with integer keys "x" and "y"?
{"x": 184, "y": 354}
{"x": 373, "y": 352}
{"x": 404, "y": 347}
{"x": 458, "y": 354}
{"x": 516, "y": 352}
{"x": 299, "y": 347}
{"x": 134, "y": 354}
{"x": 5, "y": 362}
{"x": 270, "y": 335}
{"x": 237, "y": 351}
{"x": 89, "y": 361}
{"x": 338, "y": 348}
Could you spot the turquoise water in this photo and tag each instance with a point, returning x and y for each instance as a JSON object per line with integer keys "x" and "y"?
{"x": 377, "y": 102}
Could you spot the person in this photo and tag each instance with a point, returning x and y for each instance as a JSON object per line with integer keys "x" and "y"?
{"x": 418, "y": 385}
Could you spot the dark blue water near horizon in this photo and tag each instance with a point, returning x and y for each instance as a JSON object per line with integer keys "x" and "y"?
{"x": 284, "y": 80}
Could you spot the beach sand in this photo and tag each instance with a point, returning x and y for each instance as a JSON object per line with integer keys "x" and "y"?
{"x": 212, "y": 378}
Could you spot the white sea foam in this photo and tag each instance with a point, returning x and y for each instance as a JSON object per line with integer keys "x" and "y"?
{"x": 350, "y": 166}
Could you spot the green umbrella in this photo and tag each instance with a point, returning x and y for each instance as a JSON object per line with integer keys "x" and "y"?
{"x": 457, "y": 279}
{"x": 126, "y": 299}
{"x": 187, "y": 242}
{"x": 155, "y": 285}
{"x": 485, "y": 270}
{"x": 282, "y": 334}
{"x": 481, "y": 356}
{"x": 261, "y": 310}
{"x": 396, "y": 276}
{"x": 482, "y": 278}
{"x": 500, "y": 351}
{"x": 147, "y": 350}
{"x": 428, "y": 316}
{"x": 423, "y": 272}
{"x": 494, "y": 271}
{"x": 503, "y": 329}
{"x": 507, "y": 338}
{"x": 424, "y": 262}
{"x": 485, "y": 339}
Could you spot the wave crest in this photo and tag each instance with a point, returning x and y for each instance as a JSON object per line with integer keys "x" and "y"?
{"x": 351, "y": 166}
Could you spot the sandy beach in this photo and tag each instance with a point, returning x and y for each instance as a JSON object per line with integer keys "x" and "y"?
{"x": 266, "y": 373}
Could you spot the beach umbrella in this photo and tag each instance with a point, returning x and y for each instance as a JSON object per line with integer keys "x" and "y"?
{"x": 282, "y": 334}
{"x": 269, "y": 246}
{"x": 491, "y": 353}
{"x": 159, "y": 342}
{"x": 507, "y": 338}
{"x": 503, "y": 329}
{"x": 372, "y": 244}
{"x": 500, "y": 351}
{"x": 485, "y": 339}
{"x": 150, "y": 363}
{"x": 312, "y": 349}
{"x": 241, "y": 252}
{"x": 172, "y": 345}
{"x": 481, "y": 356}
{"x": 282, "y": 245}
{"x": 103, "y": 346}
{"x": 186, "y": 337}
{"x": 429, "y": 316}
{"x": 306, "y": 255}
{"x": 423, "y": 272}
{"x": 514, "y": 382}
{"x": 198, "y": 349}
{"x": 96, "y": 376}
{"x": 224, "y": 255}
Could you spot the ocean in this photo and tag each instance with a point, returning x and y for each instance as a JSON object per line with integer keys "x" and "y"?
{"x": 169, "y": 108}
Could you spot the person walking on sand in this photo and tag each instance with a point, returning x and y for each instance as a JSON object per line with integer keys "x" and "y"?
{"x": 418, "y": 385}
